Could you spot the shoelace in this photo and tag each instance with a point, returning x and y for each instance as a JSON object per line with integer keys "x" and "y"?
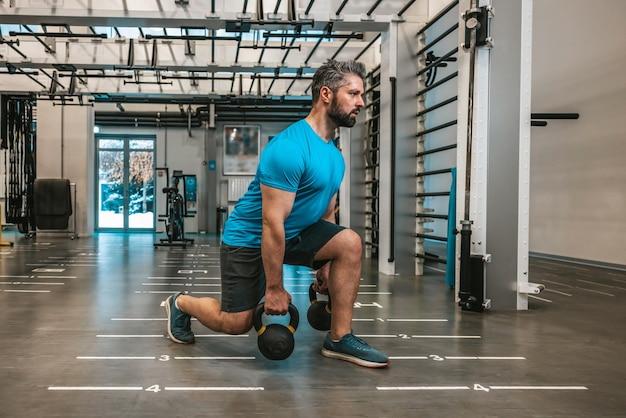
{"x": 356, "y": 342}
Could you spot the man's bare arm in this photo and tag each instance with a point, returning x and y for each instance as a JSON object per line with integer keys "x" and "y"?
{"x": 277, "y": 205}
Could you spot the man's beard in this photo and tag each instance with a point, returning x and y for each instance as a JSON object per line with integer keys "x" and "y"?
{"x": 340, "y": 117}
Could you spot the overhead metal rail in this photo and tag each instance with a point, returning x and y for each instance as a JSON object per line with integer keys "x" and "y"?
{"x": 214, "y": 19}
{"x": 288, "y": 26}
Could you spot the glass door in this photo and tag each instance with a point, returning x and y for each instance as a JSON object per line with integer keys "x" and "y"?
{"x": 125, "y": 182}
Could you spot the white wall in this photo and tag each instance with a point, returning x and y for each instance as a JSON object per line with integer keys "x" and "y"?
{"x": 578, "y": 173}
{"x": 65, "y": 150}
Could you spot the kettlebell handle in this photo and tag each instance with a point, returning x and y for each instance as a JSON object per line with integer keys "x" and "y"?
{"x": 257, "y": 319}
{"x": 313, "y": 297}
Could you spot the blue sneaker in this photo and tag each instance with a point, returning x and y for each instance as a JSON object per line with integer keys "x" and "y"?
{"x": 353, "y": 349}
{"x": 178, "y": 322}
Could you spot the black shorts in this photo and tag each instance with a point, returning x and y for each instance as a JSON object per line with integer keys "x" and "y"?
{"x": 243, "y": 277}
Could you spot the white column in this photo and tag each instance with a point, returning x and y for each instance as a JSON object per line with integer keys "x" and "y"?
{"x": 389, "y": 46}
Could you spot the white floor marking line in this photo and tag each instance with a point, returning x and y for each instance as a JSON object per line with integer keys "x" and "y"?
{"x": 538, "y": 298}
{"x": 484, "y": 358}
{"x": 95, "y": 388}
{"x": 538, "y": 388}
{"x": 595, "y": 291}
{"x": 164, "y": 336}
{"x": 448, "y": 336}
{"x": 13, "y": 277}
{"x": 180, "y": 278}
{"x": 596, "y": 283}
{"x": 113, "y": 358}
{"x": 436, "y": 269}
{"x": 480, "y": 387}
{"x": 214, "y": 358}
{"x": 399, "y": 388}
{"x": 131, "y": 336}
{"x": 408, "y": 358}
{"x": 57, "y": 277}
{"x": 416, "y": 320}
{"x": 215, "y": 388}
{"x": 26, "y": 291}
{"x": 43, "y": 283}
{"x": 556, "y": 291}
{"x": 558, "y": 283}
{"x": 377, "y": 336}
{"x": 156, "y": 292}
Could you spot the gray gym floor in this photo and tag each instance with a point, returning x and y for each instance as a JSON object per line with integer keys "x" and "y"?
{"x": 82, "y": 334}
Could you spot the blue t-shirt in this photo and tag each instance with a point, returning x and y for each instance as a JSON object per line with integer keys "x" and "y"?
{"x": 296, "y": 160}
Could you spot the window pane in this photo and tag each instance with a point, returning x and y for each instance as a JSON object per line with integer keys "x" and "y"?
{"x": 141, "y": 144}
{"x": 111, "y": 143}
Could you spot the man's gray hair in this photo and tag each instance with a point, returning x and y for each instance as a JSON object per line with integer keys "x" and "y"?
{"x": 332, "y": 75}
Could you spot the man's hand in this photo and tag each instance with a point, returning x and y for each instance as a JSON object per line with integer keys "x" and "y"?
{"x": 277, "y": 301}
{"x": 321, "y": 276}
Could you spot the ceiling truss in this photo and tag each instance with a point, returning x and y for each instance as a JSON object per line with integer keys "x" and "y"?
{"x": 182, "y": 50}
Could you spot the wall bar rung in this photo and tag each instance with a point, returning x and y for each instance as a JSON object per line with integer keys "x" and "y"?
{"x": 432, "y": 194}
{"x": 372, "y": 103}
{"x": 437, "y": 84}
{"x": 436, "y": 128}
{"x": 437, "y": 17}
{"x": 436, "y": 150}
{"x": 436, "y": 41}
{"x": 433, "y": 172}
{"x": 437, "y": 106}
{"x": 554, "y": 115}
{"x": 431, "y": 258}
{"x": 433, "y": 237}
{"x": 431, "y": 215}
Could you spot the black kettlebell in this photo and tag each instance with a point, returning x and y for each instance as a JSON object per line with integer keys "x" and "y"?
{"x": 275, "y": 341}
{"x": 319, "y": 313}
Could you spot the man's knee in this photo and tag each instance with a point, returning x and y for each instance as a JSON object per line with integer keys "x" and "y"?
{"x": 351, "y": 242}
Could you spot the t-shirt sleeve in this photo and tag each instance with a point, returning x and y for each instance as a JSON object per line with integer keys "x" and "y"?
{"x": 281, "y": 166}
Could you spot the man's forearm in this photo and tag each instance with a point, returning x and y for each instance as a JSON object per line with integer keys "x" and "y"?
{"x": 273, "y": 253}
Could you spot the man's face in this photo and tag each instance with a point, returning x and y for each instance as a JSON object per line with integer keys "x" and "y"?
{"x": 347, "y": 102}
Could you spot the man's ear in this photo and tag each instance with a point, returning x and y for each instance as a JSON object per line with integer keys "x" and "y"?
{"x": 326, "y": 94}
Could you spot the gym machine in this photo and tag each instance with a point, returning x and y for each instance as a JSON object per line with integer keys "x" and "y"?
{"x": 174, "y": 219}
{"x": 472, "y": 296}
{"x": 18, "y": 138}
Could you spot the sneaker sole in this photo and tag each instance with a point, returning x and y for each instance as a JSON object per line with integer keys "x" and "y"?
{"x": 169, "y": 328}
{"x": 352, "y": 359}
